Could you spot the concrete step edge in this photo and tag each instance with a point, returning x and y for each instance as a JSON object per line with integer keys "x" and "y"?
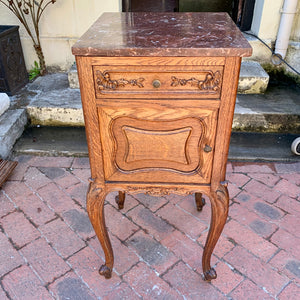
{"x": 244, "y": 120}
{"x": 12, "y": 124}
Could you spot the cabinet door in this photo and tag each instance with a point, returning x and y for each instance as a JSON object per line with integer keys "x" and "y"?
{"x": 157, "y": 144}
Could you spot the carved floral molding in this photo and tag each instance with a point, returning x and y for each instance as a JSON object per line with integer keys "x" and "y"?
{"x": 158, "y": 191}
{"x": 104, "y": 81}
{"x": 212, "y": 82}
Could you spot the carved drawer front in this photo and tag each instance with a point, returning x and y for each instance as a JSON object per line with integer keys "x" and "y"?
{"x": 157, "y": 145}
{"x": 163, "y": 82}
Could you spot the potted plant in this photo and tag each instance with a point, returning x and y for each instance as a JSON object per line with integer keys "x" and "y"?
{"x": 31, "y": 11}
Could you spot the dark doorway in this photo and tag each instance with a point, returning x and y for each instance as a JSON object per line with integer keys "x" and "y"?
{"x": 241, "y": 11}
{"x": 152, "y": 5}
{"x": 206, "y": 5}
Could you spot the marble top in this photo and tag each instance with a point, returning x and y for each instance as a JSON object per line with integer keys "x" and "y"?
{"x": 163, "y": 34}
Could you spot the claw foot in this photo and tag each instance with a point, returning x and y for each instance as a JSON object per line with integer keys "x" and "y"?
{"x": 105, "y": 271}
{"x": 210, "y": 274}
{"x": 120, "y": 204}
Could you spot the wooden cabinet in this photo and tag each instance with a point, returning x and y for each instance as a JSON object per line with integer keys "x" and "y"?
{"x": 159, "y": 121}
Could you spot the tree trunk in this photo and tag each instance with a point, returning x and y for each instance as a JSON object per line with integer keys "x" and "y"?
{"x": 41, "y": 57}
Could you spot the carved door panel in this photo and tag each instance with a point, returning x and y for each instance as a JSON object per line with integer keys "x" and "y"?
{"x": 156, "y": 144}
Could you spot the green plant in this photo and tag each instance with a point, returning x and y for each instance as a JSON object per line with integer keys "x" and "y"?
{"x": 35, "y": 71}
{"x": 33, "y": 8}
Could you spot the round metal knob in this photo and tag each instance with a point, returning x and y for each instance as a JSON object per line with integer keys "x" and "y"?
{"x": 156, "y": 83}
{"x": 207, "y": 148}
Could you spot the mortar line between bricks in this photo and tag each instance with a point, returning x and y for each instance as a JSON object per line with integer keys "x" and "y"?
{"x": 14, "y": 204}
{"x": 259, "y": 286}
{"x": 71, "y": 171}
{"x": 131, "y": 249}
{"x": 85, "y": 283}
{"x": 131, "y": 267}
{"x": 237, "y": 244}
{"x": 290, "y": 282}
{"x": 241, "y": 187}
{"x": 270, "y": 237}
{"x": 26, "y": 169}
{"x": 69, "y": 226}
{"x": 5, "y": 291}
{"x": 165, "y": 204}
{"x": 27, "y": 217}
{"x": 145, "y": 262}
{"x": 52, "y": 294}
{"x": 171, "y": 267}
{"x": 256, "y": 283}
{"x": 133, "y": 288}
{"x": 10, "y": 271}
{"x": 130, "y": 219}
{"x": 231, "y": 198}
{"x": 233, "y": 269}
{"x": 9, "y": 213}
{"x": 216, "y": 288}
{"x": 170, "y": 285}
{"x": 55, "y": 278}
{"x": 38, "y": 195}
{"x": 141, "y": 228}
{"x": 41, "y": 198}
{"x": 277, "y": 200}
{"x": 191, "y": 215}
{"x": 244, "y": 279}
{"x": 129, "y": 210}
{"x": 184, "y": 233}
{"x": 76, "y": 202}
{"x": 140, "y": 203}
{"x": 12, "y": 242}
{"x": 56, "y": 214}
{"x": 56, "y": 251}
{"x": 158, "y": 275}
{"x": 276, "y": 252}
{"x": 31, "y": 267}
{"x": 116, "y": 286}
{"x": 56, "y": 217}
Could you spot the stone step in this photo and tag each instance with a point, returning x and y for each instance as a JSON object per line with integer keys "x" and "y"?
{"x": 253, "y": 78}
{"x": 278, "y": 110}
{"x": 71, "y": 141}
{"x": 12, "y": 124}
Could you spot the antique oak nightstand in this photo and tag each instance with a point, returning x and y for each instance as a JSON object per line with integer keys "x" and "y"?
{"x": 158, "y": 93}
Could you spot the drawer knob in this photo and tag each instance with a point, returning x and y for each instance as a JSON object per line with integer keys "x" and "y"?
{"x": 207, "y": 148}
{"x": 156, "y": 83}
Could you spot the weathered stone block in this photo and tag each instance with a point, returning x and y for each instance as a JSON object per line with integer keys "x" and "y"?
{"x": 253, "y": 78}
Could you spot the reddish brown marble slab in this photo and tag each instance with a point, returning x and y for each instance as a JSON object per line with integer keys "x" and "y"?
{"x": 163, "y": 34}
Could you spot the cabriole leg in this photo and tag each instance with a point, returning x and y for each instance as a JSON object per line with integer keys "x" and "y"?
{"x": 95, "y": 208}
{"x": 219, "y": 211}
{"x": 200, "y": 201}
{"x": 120, "y": 199}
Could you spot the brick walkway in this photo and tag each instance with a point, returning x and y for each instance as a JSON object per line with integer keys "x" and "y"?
{"x": 48, "y": 248}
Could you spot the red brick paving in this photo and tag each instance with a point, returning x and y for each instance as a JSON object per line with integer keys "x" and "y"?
{"x": 250, "y": 291}
{"x": 6, "y": 206}
{"x": 15, "y": 225}
{"x": 48, "y": 249}
{"x": 44, "y": 260}
{"x": 22, "y": 283}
